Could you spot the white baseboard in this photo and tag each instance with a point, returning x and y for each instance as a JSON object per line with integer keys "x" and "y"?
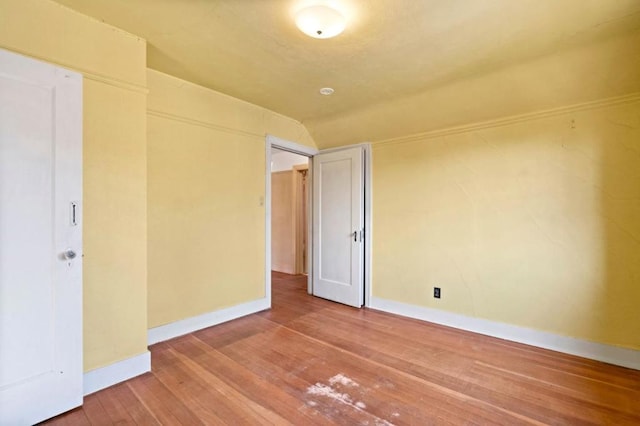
{"x": 606, "y": 353}
{"x": 115, "y": 373}
{"x": 189, "y": 325}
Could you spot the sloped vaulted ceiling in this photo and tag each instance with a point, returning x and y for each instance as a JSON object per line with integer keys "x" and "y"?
{"x": 400, "y": 67}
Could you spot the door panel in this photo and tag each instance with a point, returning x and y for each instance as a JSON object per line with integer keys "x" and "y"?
{"x": 40, "y": 289}
{"x": 25, "y": 195}
{"x": 338, "y": 224}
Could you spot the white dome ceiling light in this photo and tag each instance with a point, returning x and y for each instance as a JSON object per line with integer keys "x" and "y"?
{"x": 320, "y": 21}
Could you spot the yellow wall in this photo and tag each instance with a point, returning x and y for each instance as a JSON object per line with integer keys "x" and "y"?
{"x": 206, "y": 169}
{"x": 535, "y": 224}
{"x": 114, "y": 177}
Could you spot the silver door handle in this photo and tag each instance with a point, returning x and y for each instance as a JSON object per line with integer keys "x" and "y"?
{"x": 69, "y": 254}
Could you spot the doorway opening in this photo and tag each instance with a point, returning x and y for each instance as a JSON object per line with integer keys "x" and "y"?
{"x": 339, "y": 189}
{"x": 289, "y": 212}
{"x": 293, "y": 154}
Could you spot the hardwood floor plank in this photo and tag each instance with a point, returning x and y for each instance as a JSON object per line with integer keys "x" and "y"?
{"x": 493, "y": 348}
{"x": 594, "y": 391}
{"x": 213, "y": 401}
{"x": 226, "y": 373}
{"x": 94, "y": 411}
{"x": 75, "y": 417}
{"x": 116, "y": 411}
{"x": 308, "y": 361}
{"x": 405, "y": 391}
{"x": 165, "y": 406}
{"x": 138, "y": 411}
{"x": 287, "y": 376}
{"x": 232, "y": 331}
{"x": 586, "y": 406}
{"x": 527, "y": 363}
{"x": 459, "y": 379}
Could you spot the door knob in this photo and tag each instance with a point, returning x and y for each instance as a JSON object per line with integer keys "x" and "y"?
{"x": 69, "y": 254}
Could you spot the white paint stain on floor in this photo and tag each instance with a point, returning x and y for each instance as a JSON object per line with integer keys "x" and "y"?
{"x": 343, "y": 380}
{"x": 335, "y": 391}
{"x": 323, "y": 390}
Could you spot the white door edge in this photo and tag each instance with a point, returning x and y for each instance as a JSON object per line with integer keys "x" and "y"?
{"x": 367, "y": 223}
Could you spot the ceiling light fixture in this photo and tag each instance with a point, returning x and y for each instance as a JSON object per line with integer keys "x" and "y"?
{"x": 320, "y": 21}
{"x": 326, "y": 91}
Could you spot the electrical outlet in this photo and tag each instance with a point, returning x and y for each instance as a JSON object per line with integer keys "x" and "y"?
{"x": 436, "y": 292}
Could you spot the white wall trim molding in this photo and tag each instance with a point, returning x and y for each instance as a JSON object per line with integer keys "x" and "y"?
{"x": 112, "y": 374}
{"x": 189, "y": 325}
{"x": 514, "y": 119}
{"x": 597, "y": 351}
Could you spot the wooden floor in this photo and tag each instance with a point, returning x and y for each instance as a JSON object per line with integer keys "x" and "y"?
{"x": 309, "y": 361}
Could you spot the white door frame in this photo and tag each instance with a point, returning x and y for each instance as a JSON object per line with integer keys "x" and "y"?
{"x": 278, "y": 143}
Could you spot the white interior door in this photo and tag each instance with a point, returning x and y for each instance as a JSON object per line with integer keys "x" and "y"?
{"x": 40, "y": 240}
{"x": 338, "y": 209}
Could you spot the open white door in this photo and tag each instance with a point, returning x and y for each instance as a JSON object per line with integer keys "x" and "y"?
{"x": 40, "y": 240}
{"x": 338, "y": 226}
